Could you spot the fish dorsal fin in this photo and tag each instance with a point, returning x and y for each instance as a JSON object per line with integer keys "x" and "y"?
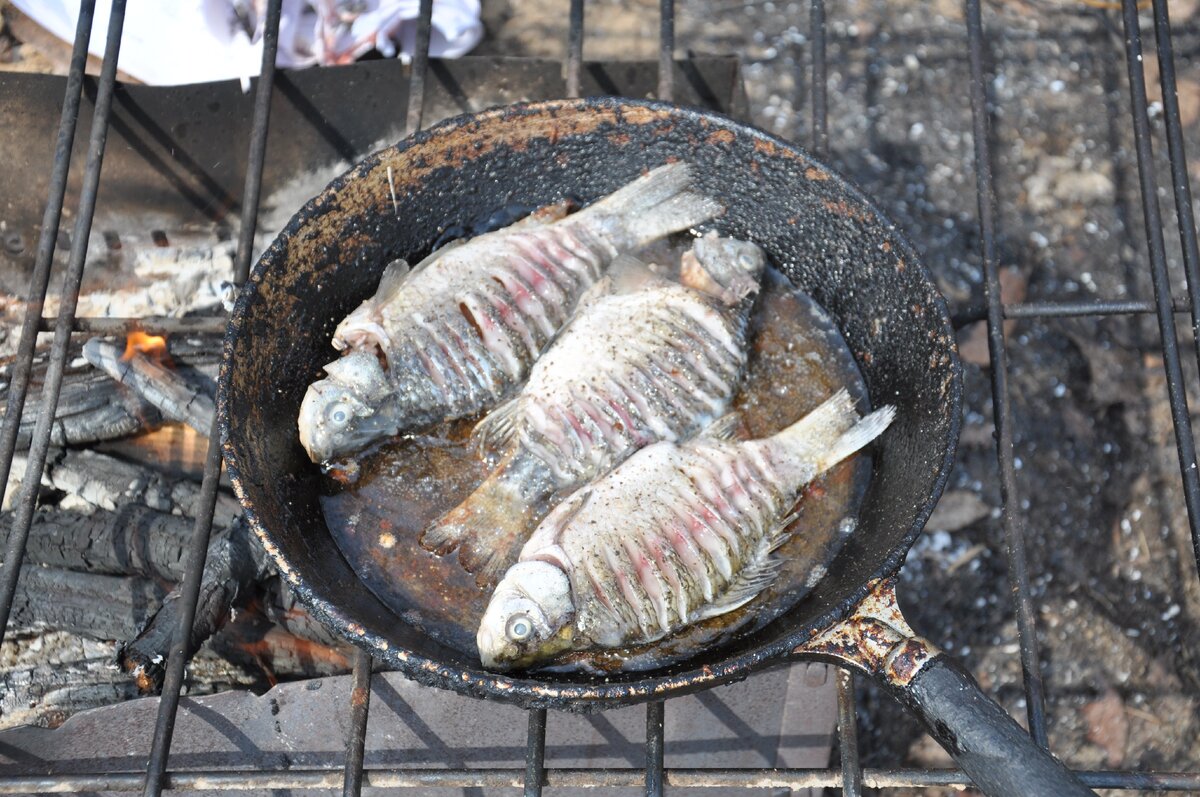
{"x": 728, "y": 427}
{"x": 393, "y": 275}
{"x": 498, "y": 428}
{"x": 546, "y": 214}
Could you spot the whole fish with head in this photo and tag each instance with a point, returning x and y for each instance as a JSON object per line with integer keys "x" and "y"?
{"x": 676, "y": 534}
{"x": 643, "y": 359}
{"x": 455, "y": 334}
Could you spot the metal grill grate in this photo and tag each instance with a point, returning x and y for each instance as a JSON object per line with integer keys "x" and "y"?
{"x": 851, "y": 778}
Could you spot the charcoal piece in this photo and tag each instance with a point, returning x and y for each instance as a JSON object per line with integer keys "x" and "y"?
{"x": 169, "y": 390}
{"x": 89, "y": 604}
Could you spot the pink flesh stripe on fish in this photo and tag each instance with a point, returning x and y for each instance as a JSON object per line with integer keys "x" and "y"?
{"x": 559, "y": 433}
{"x": 686, "y": 532}
{"x": 463, "y": 327}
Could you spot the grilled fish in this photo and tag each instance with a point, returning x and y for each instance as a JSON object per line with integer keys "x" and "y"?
{"x": 676, "y": 534}
{"x": 659, "y": 362}
{"x": 462, "y": 328}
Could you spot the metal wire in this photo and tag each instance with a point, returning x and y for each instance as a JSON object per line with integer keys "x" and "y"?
{"x": 588, "y": 777}
{"x": 40, "y": 444}
{"x": 1013, "y": 519}
{"x": 655, "y": 745}
{"x": 356, "y": 740}
{"x": 415, "y": 116}
{"x": 39, "y": 281}
{"x": 1176, "y": 391}
{"x": 848, "y": 735}
{"x": 820, "y": 108}
{"x": 666, "y": 50}
{"x": 535, "y": 753}
{"x": 574, "y": 63}
{"x": 177, "y": 658}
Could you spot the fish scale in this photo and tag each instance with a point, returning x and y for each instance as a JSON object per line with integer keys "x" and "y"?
{"x": 463, "y": 327}
{"x": 676, "y": 534}
{"x": 643, "y": 359}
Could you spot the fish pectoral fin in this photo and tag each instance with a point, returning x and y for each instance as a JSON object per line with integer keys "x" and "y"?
{"x": 627, "y": 274}
{"x": 498, "y": 428}
{"x": 727, "y": 427}
{"x": 394, "y": 275}
{"x": 754, "y": 578}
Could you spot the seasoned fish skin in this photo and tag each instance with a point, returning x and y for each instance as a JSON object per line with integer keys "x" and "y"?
{"x": 462, "y": 328}
{"x": 676, "y": 534}
{"x": 659, "y": 362}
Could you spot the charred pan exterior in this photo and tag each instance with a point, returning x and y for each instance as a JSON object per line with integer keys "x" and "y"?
{"x": 825, "y": 235}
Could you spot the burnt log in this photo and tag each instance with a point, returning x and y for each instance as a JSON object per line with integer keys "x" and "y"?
{"x": 169, "y": 390}
{"x": 134, "y": 540}
{"x": 93, "y": 408}
{"x": 88, "y": 604}
{"x": 234, "y": 566}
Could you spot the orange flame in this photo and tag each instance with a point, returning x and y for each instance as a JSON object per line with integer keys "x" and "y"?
{"x": 153, "y": 346}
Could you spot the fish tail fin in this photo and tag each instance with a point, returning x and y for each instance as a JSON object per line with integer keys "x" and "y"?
{"x": 859, "y": 435}
{"x": 826, "y": 436}
{"x": 652, "y": 206}
{"x": 488, "y": 528}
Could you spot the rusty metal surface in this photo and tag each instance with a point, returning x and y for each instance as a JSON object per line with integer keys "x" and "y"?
{"x": 875, "y": 638}
{"x": 828, "y": 238}
{"x": 171, "y": 166}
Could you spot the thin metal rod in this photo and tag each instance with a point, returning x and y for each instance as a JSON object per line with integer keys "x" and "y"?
{"x": 574, "y": 63}
{"x": 820, "y": 108}
{"x": 535, "y": 753}
{"x": 168, "y": 707}
{"x": 1176, "y": 390}
{"x": 18, "y": 387}
{"x": 666, "y": 50}
{"x": 356, "y": 741}
{"x": 258, "y": 143}
{"x": 655, "y": 744}
{"x": 415, "y": 116}
{"x": 848, "y": 735}
{"x": 159, "y": 325}
{"x": 1184, "y": 215}
{"x": 231, "y": 779}
{"x": 40, "y": 443}
{"x": 1014, "y": 520}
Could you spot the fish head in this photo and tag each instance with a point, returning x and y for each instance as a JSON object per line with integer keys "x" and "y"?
{"x": 349, "y": 409}
{"x": 528, "y": 618}
{"x": 724, "y": 267}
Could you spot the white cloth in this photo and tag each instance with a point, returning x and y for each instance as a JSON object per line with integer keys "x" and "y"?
{"x": 175, "y": 42}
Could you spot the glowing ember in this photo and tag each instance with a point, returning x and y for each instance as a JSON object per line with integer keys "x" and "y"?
{"x": 153, "y": 346}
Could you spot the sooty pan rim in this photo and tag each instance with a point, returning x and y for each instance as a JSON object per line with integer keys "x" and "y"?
{"x": 590, "y": 693}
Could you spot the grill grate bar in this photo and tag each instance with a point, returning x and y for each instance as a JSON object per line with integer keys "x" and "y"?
{"x": 40, "y": 445}
{"x": 1014, "y": 520}
{"x": 666, "y": 50}
{"x": 414, "y": 118}
{"x": 258, "y": 145}
{"x": 574, "y": 48}
{"x": 40, "y": 280}
{"x": 848, "y": 735}
{"x": 177, "y": 658}
{"x": 820, "y": 108}
{"x": 696, "y": 777}
{"x": 535, "y": 753}
{"x": 1176, "y": 391}
{"x": 360, "y": 706}
{"x": 655, "y": 744}
{"x": 1179, "y": 175}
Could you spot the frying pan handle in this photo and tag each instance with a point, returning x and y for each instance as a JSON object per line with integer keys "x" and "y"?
{"x": 986, "y": 742}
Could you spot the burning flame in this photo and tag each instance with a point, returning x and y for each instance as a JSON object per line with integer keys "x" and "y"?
{"x": 153, "y": 346}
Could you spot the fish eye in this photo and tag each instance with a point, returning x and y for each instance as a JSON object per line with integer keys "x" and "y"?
{"x": 519, "y": 628}
{"x": 746, "y": 260}
{"x": 339, "y": 414}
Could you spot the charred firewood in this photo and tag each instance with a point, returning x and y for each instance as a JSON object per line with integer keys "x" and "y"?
{"x": 89, "y": 604}
{"x": 235, "y": 563}
{"x": 134, "y": 540}
{"x": 171, "y": 391}
{"x": 93, "y": 408}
